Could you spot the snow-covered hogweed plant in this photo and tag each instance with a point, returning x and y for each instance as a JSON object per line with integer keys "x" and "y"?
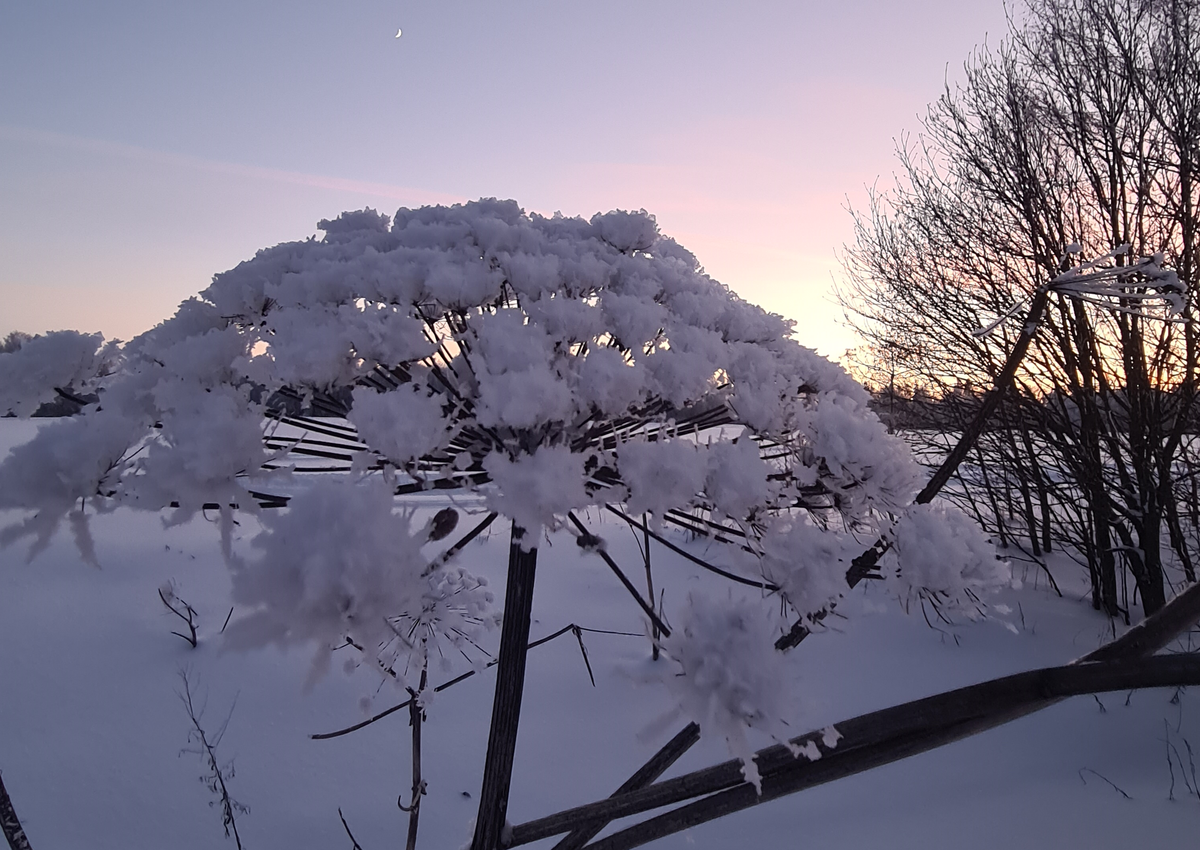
{"x": 548, "y": 364}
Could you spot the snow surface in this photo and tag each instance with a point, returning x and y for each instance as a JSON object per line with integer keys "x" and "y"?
{"x": 92, "y": 730}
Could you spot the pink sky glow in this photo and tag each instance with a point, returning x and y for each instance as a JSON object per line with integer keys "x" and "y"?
{"x": 146, "y": 147}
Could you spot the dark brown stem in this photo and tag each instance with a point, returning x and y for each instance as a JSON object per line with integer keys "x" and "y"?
{"x": 647, "y": 773}
{"x": 415, "y": 716}
{"x": 688, "y": 556}
{"x": 868, "y": 741}
{"x": 647, "y": 609}
{"x": 9, "y": 822}
{"x": 654, "y": 634}
{"x": 322, "y": 736}
{"x": 955, "y": 715}
{"x": 510, "y": 683}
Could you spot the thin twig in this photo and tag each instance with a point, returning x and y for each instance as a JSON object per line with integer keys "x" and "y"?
{"x": 647, "y": 609}
{"x": 700, "y": 562}
{"x": 571, "y": 627}
{"x": 215, "y": 779}
{"x": 189, "y": 618}
{"x": 1115, "y": 787}
{"x": 346, "y": 827}
{"x": 583, "y": 650}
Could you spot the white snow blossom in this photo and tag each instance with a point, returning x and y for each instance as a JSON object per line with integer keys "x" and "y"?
{"x": 342, "y": 564}
{"x": 44, "y": 365}
{"x": 940, "y": 553}
{"x": 726, "y": 676}
{"x": 549, "y": 364}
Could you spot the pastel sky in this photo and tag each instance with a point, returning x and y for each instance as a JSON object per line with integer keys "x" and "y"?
{"x": 146, "y": 145}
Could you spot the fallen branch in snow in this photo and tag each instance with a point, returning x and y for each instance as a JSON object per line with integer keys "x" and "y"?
{"x": 1099, "y": 775}
{"x": 881, "y": 737}
{"x": 9, "y": 823}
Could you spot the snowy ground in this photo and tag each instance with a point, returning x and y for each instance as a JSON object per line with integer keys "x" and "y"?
{"x": 92, "y": 731}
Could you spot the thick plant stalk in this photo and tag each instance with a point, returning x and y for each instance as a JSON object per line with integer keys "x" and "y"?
{"x": 1014, "y": 696}
{"x": 9, "y": 822}
{"x": 654, "y": 634}
{"x": 416, "y": 714}
{"x": 647, "y": 773}
{"x": 881, "y": 737}
{"x": 510, "y": 683}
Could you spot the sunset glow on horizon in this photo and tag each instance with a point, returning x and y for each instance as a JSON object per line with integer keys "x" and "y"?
{"x": 147, "y": 147}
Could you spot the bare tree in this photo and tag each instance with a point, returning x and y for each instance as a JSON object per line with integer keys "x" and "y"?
{"x": 1079, "y": 133}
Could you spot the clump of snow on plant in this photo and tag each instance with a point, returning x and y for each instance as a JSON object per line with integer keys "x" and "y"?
{"x": 341, "y": 563}
{"x": 942, "y": 554}
{"x": 402, "y": 425}
{"x": 725, "y": 675}
{"x": 534, "y": 490}
{"x": 736, "y": 477}
{"x": 807, "y": 562}
{"x": 206, "y": 440}
{"x": 661, "y": 475}
{"x": 850, "y": 448}
{"x": 67, "y": 465}
{"x": 66, "y": 360}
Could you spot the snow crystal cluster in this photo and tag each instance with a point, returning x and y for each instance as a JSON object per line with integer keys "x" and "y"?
{"x": 726, "y": 676}
{"x": 341, "y": 565}
{"x": 46, "y": 365}
{"x": 549, "y": 364}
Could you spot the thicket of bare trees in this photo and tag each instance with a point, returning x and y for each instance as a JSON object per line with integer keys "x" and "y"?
{"x": 1079, "y": 133}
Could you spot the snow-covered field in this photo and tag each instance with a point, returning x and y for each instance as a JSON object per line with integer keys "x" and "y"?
{"x": 95, "y": 753}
